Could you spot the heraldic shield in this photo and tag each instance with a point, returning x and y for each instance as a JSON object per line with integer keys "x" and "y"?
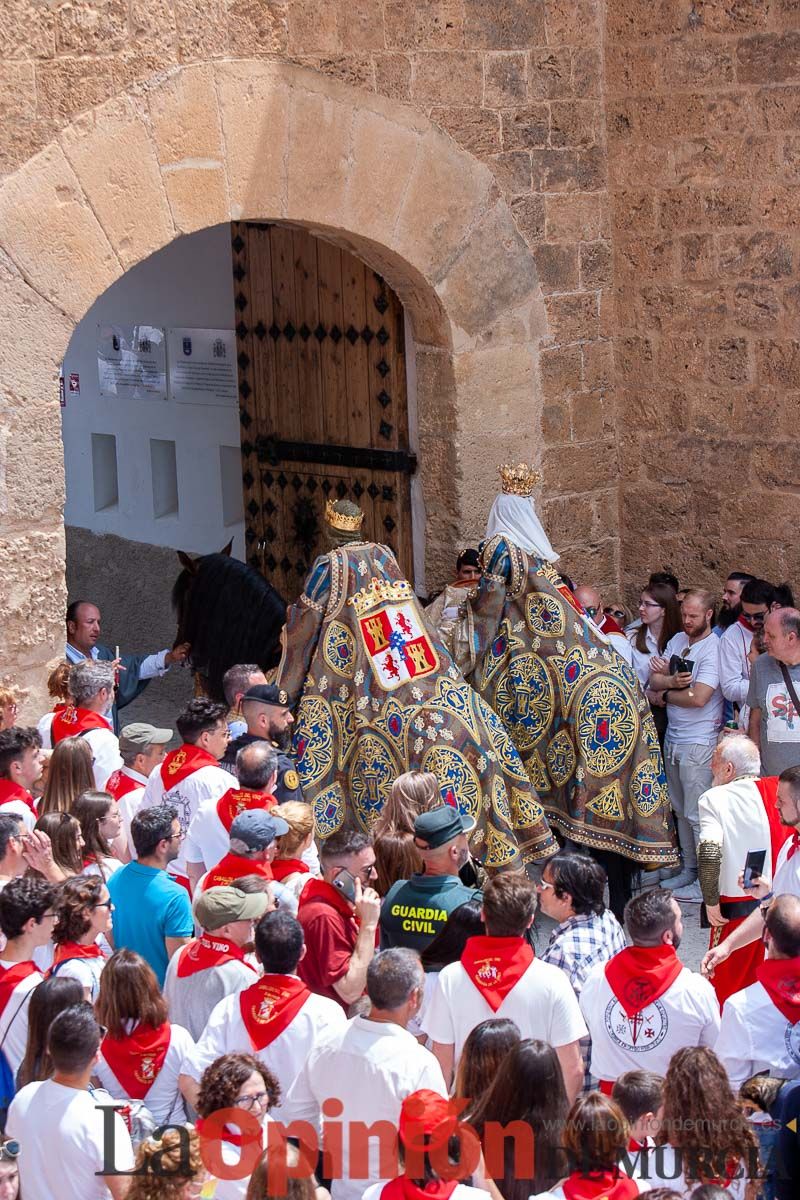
{"x": 573, "y": 707}
{"x": 379, "y": 694}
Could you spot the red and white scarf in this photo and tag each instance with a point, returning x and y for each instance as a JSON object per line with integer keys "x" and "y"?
{"x": 495, "y": 965}
{"x": 780, "y": 978}
{"x": 283, "y": 867}
{"x": 137, "y": 1058}
{"x": 67, "y": 951}
{"x": 237, "y": 801}
{"x": 270, "y": 1006}
{"x": 232, "y": 867}
{"x": 119, "y": 784}
{"x": 403, "y": 1188}
{"x": 639, "y": 975}
{"x": 72, "y": 721}
{"x": 183, "y": 762}
{"x": 207, "y": 951}
{"x": 11, "y": 977}
{"x": 600, "y": 1185}
{"x": 15, "y": 791}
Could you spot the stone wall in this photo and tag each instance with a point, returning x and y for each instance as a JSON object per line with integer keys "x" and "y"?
{"x": 702, "y": 115}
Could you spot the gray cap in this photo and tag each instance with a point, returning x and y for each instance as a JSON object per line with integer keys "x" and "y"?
{"x": 255, "y": 829}
{"x": 140, "y": 735}
{"x": 220, "y": 905}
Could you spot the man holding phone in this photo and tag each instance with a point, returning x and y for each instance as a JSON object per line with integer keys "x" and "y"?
{"x": 687, "y": 679}
{"x": 339, "y": 914}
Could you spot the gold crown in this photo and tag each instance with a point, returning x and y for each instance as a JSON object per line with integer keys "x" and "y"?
{"x": 380, "y": 591}
{"x": 519, "y": 480}
{"x": 342, "y": 521}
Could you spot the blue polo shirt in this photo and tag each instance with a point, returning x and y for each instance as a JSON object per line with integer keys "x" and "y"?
{"x": 149, "y": 906}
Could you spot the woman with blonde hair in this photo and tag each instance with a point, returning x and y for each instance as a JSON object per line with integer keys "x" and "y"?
{"x": 169, "y": 1167}
{"x": 8, "y": 708}
{"x": 69, "y": 773}
{"x": 396, "y": 856}
{"x": 288, "y": 867}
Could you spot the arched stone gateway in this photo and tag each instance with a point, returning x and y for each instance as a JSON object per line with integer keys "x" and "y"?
{"x": 258, "y": 140}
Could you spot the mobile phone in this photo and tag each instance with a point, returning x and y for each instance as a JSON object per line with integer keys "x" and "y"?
{"x": 346, "y": 884}
{"x": 678, "y": 665}
{"x": 754, "y": 866}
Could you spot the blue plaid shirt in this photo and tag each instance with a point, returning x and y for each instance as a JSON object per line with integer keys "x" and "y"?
{"x": 577, "y": 945}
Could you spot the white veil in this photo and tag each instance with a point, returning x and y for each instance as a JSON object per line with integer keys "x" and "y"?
{"x": 515, "y": 518}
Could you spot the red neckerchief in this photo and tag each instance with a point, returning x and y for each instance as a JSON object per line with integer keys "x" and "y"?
{"x": 235, "y": 801}
{"x": 270, "y": 1006}
{"x": 229, "y": 1135}
{"x": 609, "y": 625}
{"x": 209, "y": 950}
{"x": 281, "y": 867}
{"x": 66, "y": 951}
{"x": 119, "y": 784}
{"x": 10, "y": 978}
{"x": 778, "y": 832}
{"x": 599, "y": 1185}
{"x": 182, "y": 762}
{"x": 73, "y": 721}
{"x": 233, "y": 866}
{"x": 747, "y": 623}
{"x": 638, "y": 975}
{"x": 794, "y": 846}
{"x": 495, "y": 965}
{"x": 403, "y": 1188}
{"x": 780, "y": 978}
{"x": 137, "y": 1058}
{"x": 318, "y": 889}
{"x": 15, "y": 791}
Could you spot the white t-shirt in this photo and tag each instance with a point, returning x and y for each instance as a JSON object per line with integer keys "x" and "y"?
{"x": 734, "y": 668}
{"x": 662, "y": 1168}
{"x": 14, "y": 1020}
{"x": 44, "y": 725}
{"x": 641, "y": 659}
{"x": 19, "y": 808}
{"x": 164, "y": 1098}
{"x": 733, "y": 815}
{"x": 755, "y": 1036}
{"x": 130, "y": 803}
{"x": 87, "y": 971}
{"x": 104, "y": 745}
{"x": 542, "y": 1004}
{"x": 371, "y": 1067}
{"x": 207, "y": 783}
{"x": 687, "y": 1014}
{"x": 62, "y": 1137}
{"x": 226, "y": 1033}
{"x": 787, "y": 871}
{"x": 696, "y": 726}
{"x": 207, "y": 840}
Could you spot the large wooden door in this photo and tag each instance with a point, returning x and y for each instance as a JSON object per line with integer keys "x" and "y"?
{"x": 322, "y": 396}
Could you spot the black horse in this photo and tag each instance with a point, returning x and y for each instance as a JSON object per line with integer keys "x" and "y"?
{"x": 229, "y": 614}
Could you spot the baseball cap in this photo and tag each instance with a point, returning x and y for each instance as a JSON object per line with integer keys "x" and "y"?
{"x": 255, "y": 829}
{"x": 140, "y": 735}
{"x": 441, "y": 825}
{"x": 219, "y": 905}
{"x": 267, "y": 693}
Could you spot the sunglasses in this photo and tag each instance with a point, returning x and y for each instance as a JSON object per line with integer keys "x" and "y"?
{"x": 9, "y": 1150}
{"x": 591, "y": 611}
{"x": 613, "y": 612}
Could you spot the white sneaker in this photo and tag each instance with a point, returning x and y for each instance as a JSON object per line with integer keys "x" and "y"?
{"x": 690, "y": 894}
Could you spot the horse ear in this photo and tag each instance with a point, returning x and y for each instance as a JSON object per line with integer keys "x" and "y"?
{"x": 189, "y": 563}
{"x": 226, "y": 550}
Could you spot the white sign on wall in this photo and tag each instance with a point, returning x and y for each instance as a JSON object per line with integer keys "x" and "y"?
{"x": 202, "y": 366}
{"x": 131, "y": 362}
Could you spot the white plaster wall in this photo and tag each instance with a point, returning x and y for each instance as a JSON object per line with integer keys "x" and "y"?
{"x": 188, "y": 284}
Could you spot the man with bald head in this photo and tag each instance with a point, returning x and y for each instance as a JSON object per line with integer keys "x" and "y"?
{"x": 760, "y": 1028}
{"x": 773, "y": 696}
{"x": 592, "y": 603}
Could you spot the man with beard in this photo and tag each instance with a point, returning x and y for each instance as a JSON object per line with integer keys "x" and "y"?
{"x": 757, "y": 601}
{"x": 730, "y": 608}
{"x": 694, "y": 715}
{"x": 414, "y": 910}
{"x": 265, "y": 708}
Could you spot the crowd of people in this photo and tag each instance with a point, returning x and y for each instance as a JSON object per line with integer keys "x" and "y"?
{"x": 201, "y": 995}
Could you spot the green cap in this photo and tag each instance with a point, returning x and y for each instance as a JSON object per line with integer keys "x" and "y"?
{"x": 220, "y": 905}
{"x": 440, "y": 825}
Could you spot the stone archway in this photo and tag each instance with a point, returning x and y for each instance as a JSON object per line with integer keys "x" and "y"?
{"x": 255, "y": 140}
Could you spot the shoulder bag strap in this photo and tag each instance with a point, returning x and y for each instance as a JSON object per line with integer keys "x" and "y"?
{"x": 787, "y": 679}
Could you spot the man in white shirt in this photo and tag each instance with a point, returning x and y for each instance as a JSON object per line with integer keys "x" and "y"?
{"x": 191, "y": 774}
{"x": 276, "y": 1017}
{"x": 66, "y": 1139}
{"x": 369, "y": 1066}
{"x": 91, "y": 689}
{"x": 212, "y": 966}
{"x": 643, "y": 1004}
{"x": 694, "y": 716}
{"x": 208, "y": 838}
{"x": 143, "y": 747}
{"x": 499, "y": 976}
{"x": 737, "y": 814}
{"x": 785, "y": 879}
{"x": 26, "y": 919}
{"x": 760, "y": 1028}
{"x": 736, "y": 642}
